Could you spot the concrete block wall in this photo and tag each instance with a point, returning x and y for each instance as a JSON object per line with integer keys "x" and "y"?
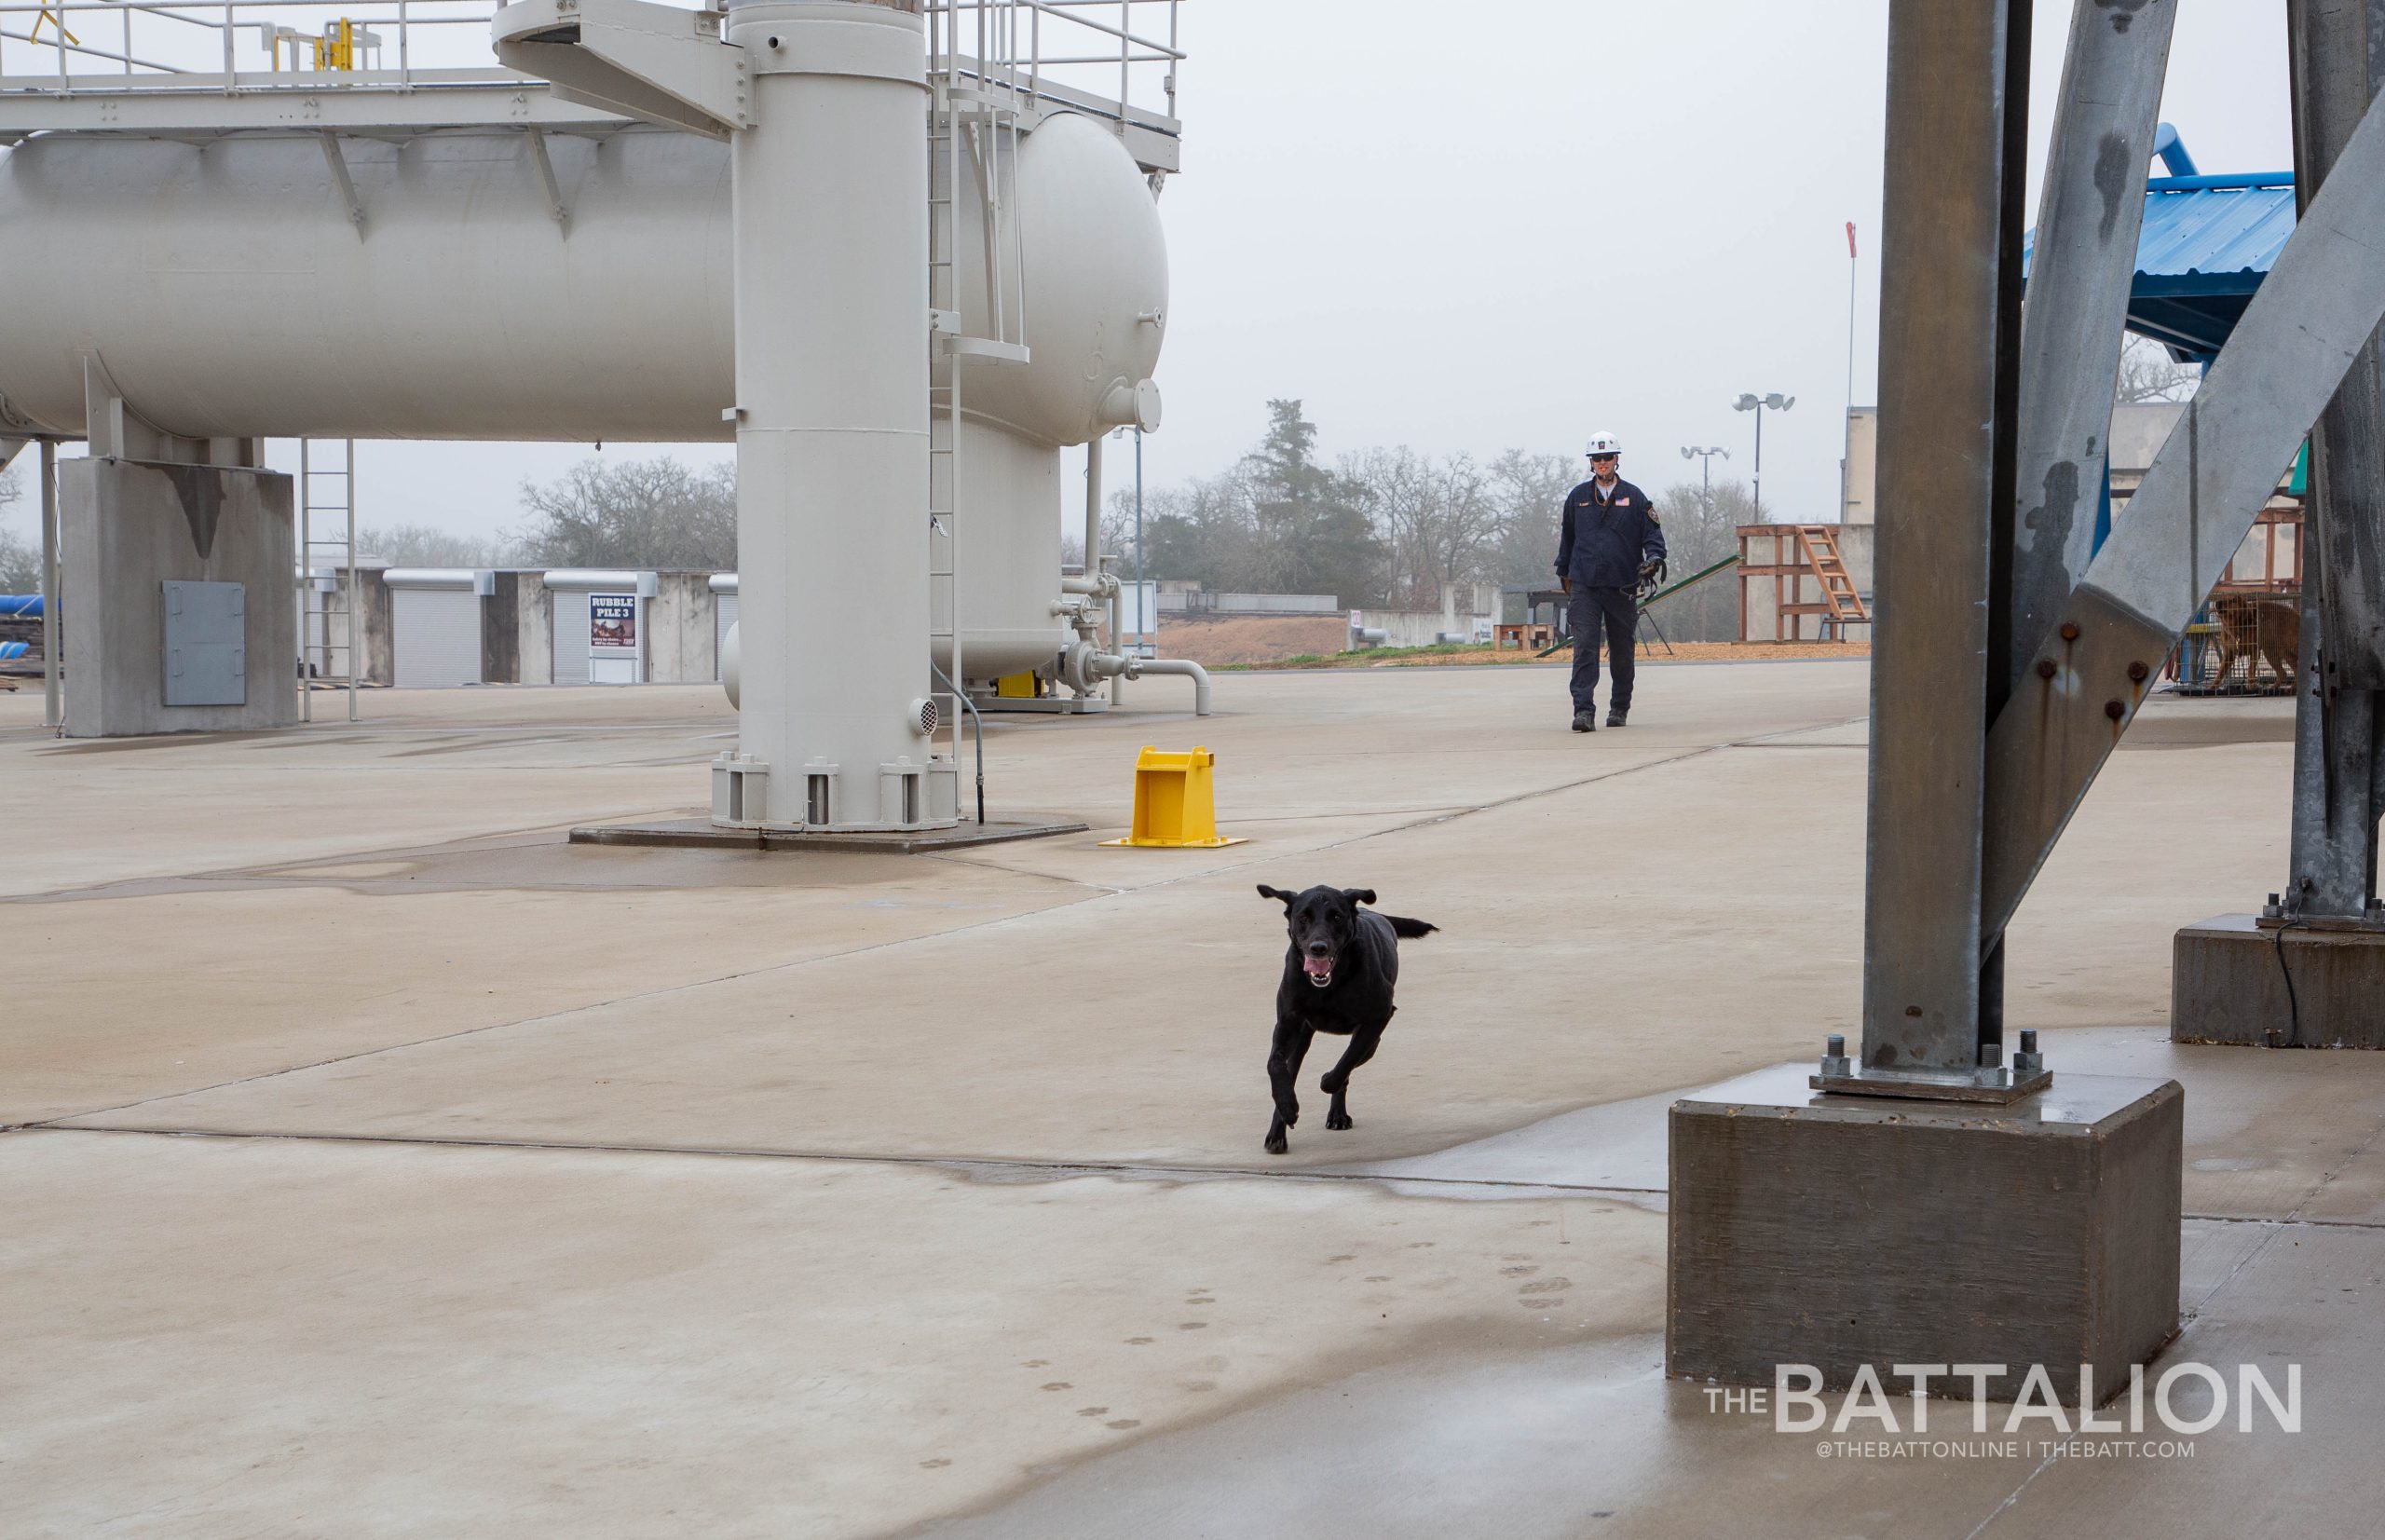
{"x": 1463, "y": 604}
{"x": 377, "y": 660}
{"x": 129, "y": 527}
{"x": 501, "y": 629}
{"x": 679, "y": 629}
{"x": 519, "y": 630}
{"x": 534, "y": 629}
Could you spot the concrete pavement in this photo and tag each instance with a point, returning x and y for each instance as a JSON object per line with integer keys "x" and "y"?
{"x": 382, "y": 1165}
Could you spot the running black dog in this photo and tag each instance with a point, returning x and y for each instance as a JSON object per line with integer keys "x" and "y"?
{"x": 1339, "y": 973}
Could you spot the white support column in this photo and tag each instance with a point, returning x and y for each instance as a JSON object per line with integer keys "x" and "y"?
{"x": 832, "y": 409}
{"x": 50, "y": 705}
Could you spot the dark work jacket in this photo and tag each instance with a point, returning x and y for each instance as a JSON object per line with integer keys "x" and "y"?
{"x": 1603, "y": 545}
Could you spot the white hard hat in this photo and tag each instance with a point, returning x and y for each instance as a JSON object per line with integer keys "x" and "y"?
{"x": 1605, "y": 444}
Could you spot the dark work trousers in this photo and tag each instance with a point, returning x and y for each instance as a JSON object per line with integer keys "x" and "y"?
{"x": 1619, "y": 610}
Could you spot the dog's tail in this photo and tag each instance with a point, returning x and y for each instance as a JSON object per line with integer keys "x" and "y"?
{"x": 1409, "y": 930}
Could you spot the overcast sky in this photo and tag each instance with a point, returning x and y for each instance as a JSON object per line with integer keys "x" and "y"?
{"x": 1474, "y": 229}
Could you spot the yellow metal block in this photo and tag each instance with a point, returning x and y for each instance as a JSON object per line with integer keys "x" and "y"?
{"x": 1016, "y": 687}
{"x": 1174, "y": 801}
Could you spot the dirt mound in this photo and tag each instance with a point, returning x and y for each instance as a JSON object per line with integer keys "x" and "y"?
{"x": 1251, "y": 639}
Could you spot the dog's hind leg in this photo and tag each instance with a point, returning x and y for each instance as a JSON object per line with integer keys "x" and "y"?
{"x": 1336, "y": 1083}
{"x": 1282, "y": 1072}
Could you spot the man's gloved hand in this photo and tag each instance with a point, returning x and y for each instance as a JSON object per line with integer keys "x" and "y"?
{"x": 1652, "y": 575}
{"x": 1565, "y": 583}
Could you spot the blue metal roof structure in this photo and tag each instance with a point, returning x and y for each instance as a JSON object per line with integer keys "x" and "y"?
{"x": 2207, "y": 243}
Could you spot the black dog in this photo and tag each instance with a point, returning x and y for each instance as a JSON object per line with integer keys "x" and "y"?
{"x": 1339, "y": 973}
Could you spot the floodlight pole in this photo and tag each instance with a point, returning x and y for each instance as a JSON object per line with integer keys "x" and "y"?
{"x": 1847, "y": 429}
{"x": 1751, "y": 402}
{"x": 1705, "y": 457}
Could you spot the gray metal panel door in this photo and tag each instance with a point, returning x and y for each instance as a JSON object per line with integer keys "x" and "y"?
{"x": 438, "y": 636}
{"x": 206, "y": 634}
{"x": 571, "y": 636}
{"x": 724, "y": 615}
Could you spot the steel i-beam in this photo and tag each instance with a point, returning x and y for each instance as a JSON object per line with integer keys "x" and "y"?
{"x": 2336, "y": 57}
{"x": 1949, "y": 345}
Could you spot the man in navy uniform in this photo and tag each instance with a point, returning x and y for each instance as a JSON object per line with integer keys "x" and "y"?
{"x": 1609, "y": 542}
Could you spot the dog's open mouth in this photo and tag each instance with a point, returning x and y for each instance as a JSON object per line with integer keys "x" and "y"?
{"x": 1319, "y": 969}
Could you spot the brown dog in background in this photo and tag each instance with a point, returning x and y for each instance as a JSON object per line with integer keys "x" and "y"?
{"x": 2258, "y": 630}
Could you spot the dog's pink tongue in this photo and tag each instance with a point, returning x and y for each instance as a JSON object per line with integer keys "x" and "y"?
{"x": 1317, "y": 964}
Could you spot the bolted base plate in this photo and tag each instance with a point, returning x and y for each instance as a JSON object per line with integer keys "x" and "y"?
{"x": 1996, "y": 1088}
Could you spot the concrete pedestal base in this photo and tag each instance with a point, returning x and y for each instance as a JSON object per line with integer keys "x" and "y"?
{"x": 1837, "y": 1231}
{"x": 2228, "y": 984}
{"x": 129, "y": 528}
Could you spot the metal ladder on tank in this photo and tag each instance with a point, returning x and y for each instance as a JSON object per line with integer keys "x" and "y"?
{"x": 315, "y": 614}
{"x": 973, "y": 114}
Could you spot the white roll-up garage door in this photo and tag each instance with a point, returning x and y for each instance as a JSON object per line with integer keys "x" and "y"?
{"x": 435, "y": 623}
{"x": 724, "y": 615}
{"x": 438, "y": 636}
{"x": 571, "y": 636}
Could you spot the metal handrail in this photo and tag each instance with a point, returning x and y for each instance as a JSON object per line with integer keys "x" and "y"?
{"x": 165, "y": 54}
{"x": 1048, "y": 54}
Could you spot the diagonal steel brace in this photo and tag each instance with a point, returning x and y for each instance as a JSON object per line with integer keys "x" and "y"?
{"x": 2084, "y": 684}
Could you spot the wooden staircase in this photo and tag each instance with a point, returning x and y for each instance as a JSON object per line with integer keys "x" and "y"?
{"x": 1814, "y": 555}
{"x": 1818, "y": 542}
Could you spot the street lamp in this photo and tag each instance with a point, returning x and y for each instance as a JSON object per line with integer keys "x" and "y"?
{"x": 1756, "y": 404}
{"x": 1705, "y": 458}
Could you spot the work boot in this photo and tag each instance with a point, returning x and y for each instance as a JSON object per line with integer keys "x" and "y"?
{"x": 1615, "y": 716}
{"x": 1586, "y": 721}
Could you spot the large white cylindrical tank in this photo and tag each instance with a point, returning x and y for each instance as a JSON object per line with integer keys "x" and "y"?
{"x": 1008, "y": 525}
{"x": 229, "y": 296}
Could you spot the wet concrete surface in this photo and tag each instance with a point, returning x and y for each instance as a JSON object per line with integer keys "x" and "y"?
{"x": 368, "y": 1193}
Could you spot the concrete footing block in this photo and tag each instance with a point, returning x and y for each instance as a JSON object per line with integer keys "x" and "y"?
{"x": 1841, "y": 1231}
{"x": 2229, "y": 978}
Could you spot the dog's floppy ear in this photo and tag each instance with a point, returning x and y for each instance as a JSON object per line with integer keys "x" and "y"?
{"x": 1359, "y": 896}
{"x": 1266, "y": 892}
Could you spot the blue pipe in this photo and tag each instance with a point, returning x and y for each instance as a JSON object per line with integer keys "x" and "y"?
{"x": 24, "y": 606}
{"x": 10, "y": 652}
{"x": 2173, "y": 151}
{"x": 2205, "y": 183}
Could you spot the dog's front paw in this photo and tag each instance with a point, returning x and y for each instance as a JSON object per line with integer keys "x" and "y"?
{"x": 1337, "y": 1120}
{"x": 1276, "y": 1143}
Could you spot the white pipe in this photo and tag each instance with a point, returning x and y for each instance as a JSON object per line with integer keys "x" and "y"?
{"x": 1110, "y": 665}
{"x": 1185, "y": 666}
{"x": 355, "y": 616}
{"x": 52, "y": 715}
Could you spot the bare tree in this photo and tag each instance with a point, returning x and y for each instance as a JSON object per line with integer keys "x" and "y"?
{"x": 641, "y": 513}
{"x": 419, "y": 545}
{"x": 1442, "y": 519}
{"x": 20, "y": 558}
{"x": 2149, "y": 373}
{"x": 1700, "y": 531}
{"x": 1529, "y": 489}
